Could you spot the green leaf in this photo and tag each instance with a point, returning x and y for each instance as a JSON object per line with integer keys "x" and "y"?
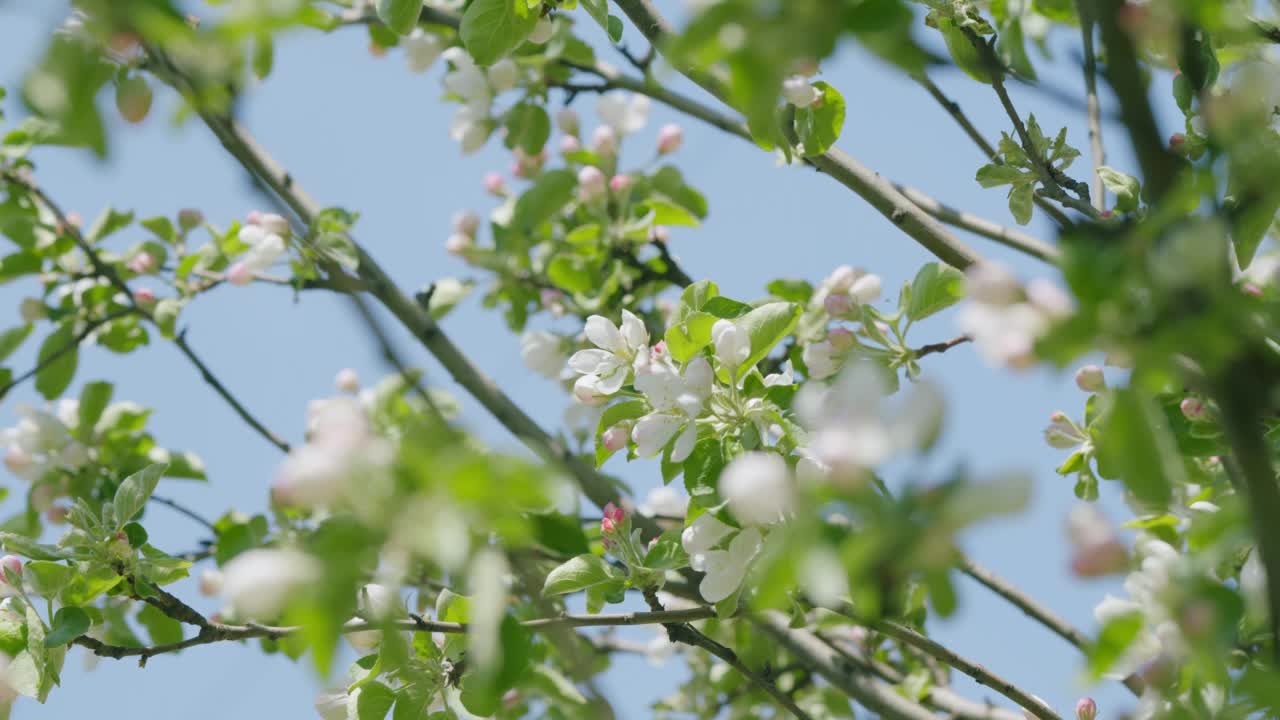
{"x": 1114, "y": 639}
{"x": 687, "y": 338}
{"x": 560, "y": 533}
{"x": 935, "y": 288}
{"x": 528, "y": 127}
{"x": 12, "y": 339}
{"x": 58, "y": 358}
{"x": 1125, "y": 187}
{"x": 570, "y": 272}
{"x": 767, "y": 325}
{"x": 598, "y": 10}
{"x": 166, "y": 316}
{"x": 26, "y": 547}
{"x": 1133, "y": 441}
{"x": 702, "y": 471}
{"x": 694, "y": 297}
{"x": 374, "y": 701}
{"x": 667, "y": 553}
{"x": 819, "y": 125}
{"x": 549, "y": 193}
{"x": 492, "y": 28}
{"x": 579, "y": 573}
{"x": 797, "y": 291}
{"x": 614, "y": 27}
{"x": 110, "y": 221}
{"x": 18, "y": 264}
{"x": 400, "y": 16}
{"x": 993, "y": 175}
{"x": 666, "y": 212}
{"x": 1020, "y": 199}
{"x": 94, "y": 398}
{"x": 162, "y": 227}
{"x": 69, "y": 624}
{"x": 133, "y": 493}
{"x": 47, "y": 578}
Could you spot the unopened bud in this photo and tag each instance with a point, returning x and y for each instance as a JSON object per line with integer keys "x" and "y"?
{"x": 840, "y": 338}
{"x": 1090, "y": 379}
{"x": 144, "y": 296}
{"x": 1193, "y": 409}
{"x": 274, "y": 224}
{"x": 458, "y": 244}
{"x": 503, "y": 75}
{"x": 620, "y": 183}
{"x": 615, "y": 438}
{"x": 591, "y": 182}
{"x": 1086, "y": 709}
{"x": 347, "y": 381}
{"x": 32, "y": 310}
{"x": 799, "y": 92}
{"x": 670, "y": 138}
{"x": 11, "y": 564}
{"x": 567, "y": 121}
{"x": 569, "y": 144}
{"x": 142, "y": 263}
{"x": 239, "y": 274}
{"x": 494, "y": 184}
{"x": 211, "y": 583}
{"x": 466, "y": 223}
{"x": 837, "y": 304}
{"x": 542, "y": 32}
{"x": 190, "y": 218}
{"x": 604, "y": 140}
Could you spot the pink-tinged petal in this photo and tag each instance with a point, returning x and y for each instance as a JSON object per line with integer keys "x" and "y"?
{"x": 653, "y": 431}
{"x": 684, "y": 444}
{"x": 633, "y": 331}
{"x": 604, "y": 334}
{"x": 589, "y": 361}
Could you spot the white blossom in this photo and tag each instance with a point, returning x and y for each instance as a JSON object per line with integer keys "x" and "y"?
{"x": 677, "y": 400}
{"x": 421, "y": 49}
{"x": 542, "y": 352}
{"x": 799, "y": 91}
{"x": 41, "y": 442}
{"x": 726, "y": 569}
{"x": 820, "y": 359}
{"x": 503, "y": 75}
{"x": 665, "y": 501}
{"x": 605, "y": 369}
{"x": 259, "y": 583}
{"x": 626, "y": 113}
{"x": 1005, "y": 321}
{"x": 758, "y": 487}
{"x": 333, "y": 705}
{"x": 732, "y": 343}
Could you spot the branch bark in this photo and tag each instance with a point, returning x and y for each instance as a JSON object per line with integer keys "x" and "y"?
{"x": 1098, "y": 191}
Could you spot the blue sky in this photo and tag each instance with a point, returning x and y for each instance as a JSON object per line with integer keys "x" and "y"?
{"x": 365, "y": 134}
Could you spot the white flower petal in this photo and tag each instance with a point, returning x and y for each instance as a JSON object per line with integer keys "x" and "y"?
{"x": 653, "y": 431}
{"x": 604, "y": 334}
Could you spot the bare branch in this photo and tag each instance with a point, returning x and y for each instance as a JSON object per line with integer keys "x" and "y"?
{"x": 1099, "y": 191}
{"x": 940, "y": 347}
{"x": 71, "y": 344}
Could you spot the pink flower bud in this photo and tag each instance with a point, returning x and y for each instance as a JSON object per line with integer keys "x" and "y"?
{"x": 613, "y": 518}
{"x": 1177, "y": 140}
{"x": 591, "y": 182}
{"x": 670, "y": 138}
{"x": 458, "y": 244}
{"x": 620, "y": 183}
{"x": 11, "y": 564}
{"x": 837, "y": 304}
{"x": 144, "y": 296}
{"x": 17, "y": 460}
{"x": 494, "y": 184}
{"x": 1090, "y": 379}
{"x": 347, "y": 381}
{"x": 550, "y": 297}
{"x": 607, "y": 527}
{"x": 142, "y": 263}
{"x": 615, "y": 438}
{"x": 604, "y": 140}
{"x": 659, "y": 234}
{"x": 466, "y": 223}
{"x": 253, "y": 218}
{"x": 239, "y": 274}
{"x": 1251, "y": 289}
{"x": 840, "y": 338}
{"x": 274, "y": 224}
{"x": 190, "y": 218}
{"x": 1100, "y": 559}
{"x": 1086, "y": 709}
{"x": 569, "y": 144}
{"x": 1108, "y": 214}
{"x": 1192, "y": 409}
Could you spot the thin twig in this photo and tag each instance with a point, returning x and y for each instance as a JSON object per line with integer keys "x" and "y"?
{"x": 686, "y": 634}
{"x": 70, "y": 345}
{"x": 940, "y": 347}
{"x": 957, "y": 113}
{"x": 180, "y": 340}
{"x": 1098, "y": 190}
{"x": 1006, "y": 236}
{"x": 184, "y": 510}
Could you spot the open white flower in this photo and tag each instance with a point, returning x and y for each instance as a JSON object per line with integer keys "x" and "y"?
{"x": 41, "y": 442}
{"x": 677, "y": 401}
{"x": 726, "y": 569}
{"x": 758, "y": 487}
{"x": 541, "y": 352}
{"x": 820, "y": 359}
{"x": 259, "y": 583}
{"x": 732, "y": 343}
{"x": 851, "y": 430}
{"x": 1003, "y": 325}
{"x": 605, "y": 369}
{"x": 421, "y": 49}
{"x": 467, "y": 80}
{"x": 626, "y": 113}
{"x": 703, "y": 534}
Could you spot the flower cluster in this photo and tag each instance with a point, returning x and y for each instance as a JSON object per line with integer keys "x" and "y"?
{"x": 1005, "y": 319}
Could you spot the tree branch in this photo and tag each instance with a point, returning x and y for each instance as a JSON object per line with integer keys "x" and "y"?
{"x": 953, "y": 109}
{"x": 598, "y": 488}
{"x": 1099, "y": 191}
{"x": 686, "y": 634}
{"x": 186, "y": 511}
{"x": 71, "y": 344}
{"x": 1009, "y": 237}
{"x": 940, "y": 347}
{"x": 180, "y": 340}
